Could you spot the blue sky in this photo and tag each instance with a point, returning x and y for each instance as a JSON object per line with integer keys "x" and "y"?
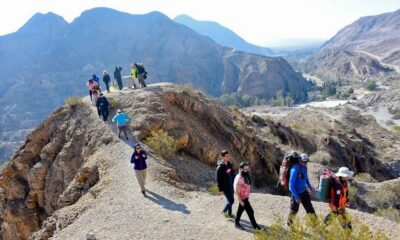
{"x": 257, "y": 21}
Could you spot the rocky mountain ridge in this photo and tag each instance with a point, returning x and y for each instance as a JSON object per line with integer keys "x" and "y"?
{"x": 48, "y": 60}
{"x": 73, "y": 168}
{"x": 365, "y": 49}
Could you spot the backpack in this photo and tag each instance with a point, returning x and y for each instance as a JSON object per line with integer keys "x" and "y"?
{"x": 288, "y": 162}
{"x": 325, "y": 183}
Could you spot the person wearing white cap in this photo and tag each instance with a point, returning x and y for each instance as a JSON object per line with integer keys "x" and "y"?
{"x": 298, "y": 184}
{"x": 339, "y": 196}
{"x": 122, "y": 120}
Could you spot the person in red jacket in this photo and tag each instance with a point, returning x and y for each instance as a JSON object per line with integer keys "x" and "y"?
{"x": 339, "y": 196}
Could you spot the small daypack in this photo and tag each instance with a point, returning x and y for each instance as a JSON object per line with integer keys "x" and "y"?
{"x": 288, "y": 162}
{"x": 325, "y": 184}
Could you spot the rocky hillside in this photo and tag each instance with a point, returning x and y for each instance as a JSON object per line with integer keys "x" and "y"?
{"x": 222, "y": 35}
{"x": 72, "y": 174}
{"x": 48, "y": 59}
{"x": 366, "y": 49}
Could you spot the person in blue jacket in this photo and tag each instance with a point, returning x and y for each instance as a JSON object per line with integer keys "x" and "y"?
{"x": 122, "y": 120}
{"x": 299, "y": 187}
{"x": 138, "y": 160}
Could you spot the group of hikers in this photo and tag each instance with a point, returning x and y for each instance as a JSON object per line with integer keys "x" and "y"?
{"x": 293, "y": 170}
{"x": 299, "y": 186}
{"x": 138, "y": 76}
{"x": 295, "y": 178}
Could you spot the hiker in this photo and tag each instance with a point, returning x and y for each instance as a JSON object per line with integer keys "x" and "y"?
{"x": 90, "y": 84}
{"x": 122, "y": 120}
{"x": 96, "y": 80}
{"x": 298, "y": 183}
{"x": 242, "y": 189}
{"x": 134, "y": 75}
{"x": 138, "y": 159}
{"x": 141, "y": 74}
{"x": 102, "y": 107}
{"x": 339, "y": 200}
{"x": 225, "y": 177}
{"x": 106, "y": 80}
{"x": 117, "y": 76}
{"x": 96, "y": 94}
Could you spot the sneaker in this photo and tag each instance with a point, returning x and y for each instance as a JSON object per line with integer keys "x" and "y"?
{"x": 231, "y": 216}
{"x": 238, "y": 226}
{"x": 226, "y": 214}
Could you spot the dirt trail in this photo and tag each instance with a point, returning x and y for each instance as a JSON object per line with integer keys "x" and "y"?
{"x": 119, "y": 211}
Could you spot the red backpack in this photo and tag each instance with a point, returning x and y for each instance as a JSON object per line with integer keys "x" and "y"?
{"x": 288, "y": 162}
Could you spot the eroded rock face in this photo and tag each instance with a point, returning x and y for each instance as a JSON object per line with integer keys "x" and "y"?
{"x": 48, "y": 172}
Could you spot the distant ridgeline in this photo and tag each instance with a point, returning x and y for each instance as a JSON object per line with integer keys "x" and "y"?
{"x": 48, "y": 59}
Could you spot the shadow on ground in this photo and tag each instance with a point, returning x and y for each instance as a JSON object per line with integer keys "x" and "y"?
{"x": 166, "y": 203}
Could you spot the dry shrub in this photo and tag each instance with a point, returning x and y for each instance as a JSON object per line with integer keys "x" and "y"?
{"x": 310, "y": 228}
{"x": 213, "y": 188}
{"x": 365, "y": 177}
{"x": 73, "y": 101}
{"x": 391, "y": 213}
{"x": 321, "y": 157}
{"x": 113, "y": 103}
{"x": 161, "y": 143}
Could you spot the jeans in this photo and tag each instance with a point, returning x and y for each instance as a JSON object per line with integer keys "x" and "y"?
{"x": 249, "y": 211}
{"x": 305, "y": 200}
{"x": 104, "y": 114}
{"x": 229, "y": 202}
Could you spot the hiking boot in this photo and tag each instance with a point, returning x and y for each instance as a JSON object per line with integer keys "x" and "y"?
{"x": 257, "y": 228}
{"x": 228, "y": 215}
{"x": 238, "y": 226}
{"x": 144, "y": 193}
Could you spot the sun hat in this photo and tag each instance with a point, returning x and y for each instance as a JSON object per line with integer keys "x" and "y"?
{"x": 344, "y": 172}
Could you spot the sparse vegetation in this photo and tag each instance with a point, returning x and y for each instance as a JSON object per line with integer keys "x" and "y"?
{"x": 238, "y": 125}
{"x": 308, "y": 228}
{"x": 281, "y": 100}
{"x": 213, "y": 188}
{"x": 396, "y": 128}
{"x": 370, "y": 85}
{"x": 390, "y": 213}
{"x": 73, "y": 101}
{"x": 321, "y": 157}
{"x": 113, "y": 103}
{"x": 235, "y": 99}
{"x": 162, "y": 143}
{"x": 364, "y": 177}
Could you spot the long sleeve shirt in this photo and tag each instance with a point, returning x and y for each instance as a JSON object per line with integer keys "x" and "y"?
{"x": 298, "y": 181}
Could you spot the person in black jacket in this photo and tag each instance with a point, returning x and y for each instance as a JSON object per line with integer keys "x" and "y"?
{"x": 106, "y": 80}
{"x": 102, "y": 107}
{"x": 117, "y": 76}
{"x": 225, "y": 177}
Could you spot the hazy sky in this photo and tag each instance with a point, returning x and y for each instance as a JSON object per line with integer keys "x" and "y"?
{"x": 257, "y": 21}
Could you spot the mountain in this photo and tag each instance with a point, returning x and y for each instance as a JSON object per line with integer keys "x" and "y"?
{"x": 367, "y": 48}
{"x": 48, "y": 60}
{"x": 73, "y": 176}
{"x": 222, "y": 35}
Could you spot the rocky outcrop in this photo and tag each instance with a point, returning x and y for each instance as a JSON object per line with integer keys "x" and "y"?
{"x": 390, "y": 96}
{"x": 338, "y": 132}
{"x": 49, "y": 171}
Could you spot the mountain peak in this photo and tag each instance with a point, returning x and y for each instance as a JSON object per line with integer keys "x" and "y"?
{"x": 42, "y": 22}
